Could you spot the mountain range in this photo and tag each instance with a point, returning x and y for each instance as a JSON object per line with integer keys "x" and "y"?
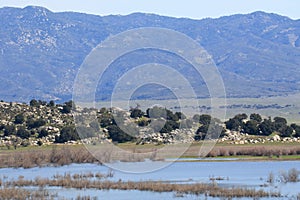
{"x": 257, "y": 54}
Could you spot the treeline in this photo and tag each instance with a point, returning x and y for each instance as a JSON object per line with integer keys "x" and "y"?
{"x": 256, "y": 125}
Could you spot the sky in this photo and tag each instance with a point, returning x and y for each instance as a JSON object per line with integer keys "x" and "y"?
{"x": 195, "y": 9}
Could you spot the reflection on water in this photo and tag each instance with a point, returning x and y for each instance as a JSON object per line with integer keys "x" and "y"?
{"x": 227, "y": 174}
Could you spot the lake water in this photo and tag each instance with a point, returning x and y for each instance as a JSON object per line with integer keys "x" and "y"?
{"x": 235, "y": 173}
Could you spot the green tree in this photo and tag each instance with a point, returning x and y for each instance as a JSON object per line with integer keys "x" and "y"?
{"x": 34, "y": 103}
{"x": 9, "y": 130}
{"x": 169, "y": 126}
{"x": 241, "y": 117}
{"x": 297, "y": 129}
{"x": 236, "y": 123}
{"x": 287, "y": 131}
{"x": 209, "y": 131}
{"x": 266, "y": 127}
{"x": 180, "y": 115}
{"x": 23, "y": 133}
{"x": 201, "y": 132}
{"x": 19, "y": 119}
{"x": 51, "y": 103}
{"x": 171, "y": 116}
{"x": 233, "y": 124}
{"x": 118, "y": 135}
{"x": 67, "y": 107}
{"x": 256, "y": 117}
{"x": 136, "y": 113}
{"x": 251, "y": 127}
{"x": 67, "y": 133}
{"x": 43, "y": 133}
{"x": 106, "y": 119}
{"x": 280, "y": 124}
{"x": 31, "y": 123}
{"x": 205, "y": 119}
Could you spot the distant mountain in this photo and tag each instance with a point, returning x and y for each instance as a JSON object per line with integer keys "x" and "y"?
{"x": 258, "y": 54}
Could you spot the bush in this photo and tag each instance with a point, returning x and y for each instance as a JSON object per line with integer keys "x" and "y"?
{"x": 118, "y": 135}
{"x": 34, "y": 103}
{"x": 266, "y": 127}
{"x": 251, "y": 127}
{"x": 43, "y": 133}
{"x": 106, "y": 120}
{"x": 23, "y": 133}
{"x": 67, "y": 133}
{"x": 297, "y": 129}
{"x": 67, "y": 107}
{"x": 35, "y": 123}
{"x": 40, "y": 143}
{"x": 169, "y": 126}
{"x": 205, "y": 119}
{"x": 209, "y": 131}
{"x": 9, "y": 130}
{"x": 19, "y": 119}
{"x": 136, "y": 113}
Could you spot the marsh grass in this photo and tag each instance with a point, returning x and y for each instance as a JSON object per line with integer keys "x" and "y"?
{"x": 290, "y": 176}
{"x": 267, "y": 151}
{"x": 56, "y": 156}
{"x": 22, "y": 194}
{"x": 87, "y": 182}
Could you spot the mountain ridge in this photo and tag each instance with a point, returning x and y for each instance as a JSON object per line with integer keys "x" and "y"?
{"x": 41, "y": 50}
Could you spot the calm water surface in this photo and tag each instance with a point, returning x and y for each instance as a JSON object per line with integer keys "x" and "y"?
{"x": 235, "y": 173}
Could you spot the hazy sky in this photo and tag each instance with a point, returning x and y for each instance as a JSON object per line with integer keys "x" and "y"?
{"x": 196, "y": 9}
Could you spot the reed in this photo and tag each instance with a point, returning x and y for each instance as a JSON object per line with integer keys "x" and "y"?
{"x": 57, "y": 156}
{"x": 22, "y": 194}
{"x": 290, "y": 176}
{"x": 269, "y": 151}
{"x": 86, "y": 182}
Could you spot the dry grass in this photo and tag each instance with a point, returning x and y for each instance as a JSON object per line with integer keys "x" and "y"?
{"x": 22, "y": 194}
{"x": 255, "y": 150}
{"x": 68, "y": 181}
{"x": 57, "y": 156}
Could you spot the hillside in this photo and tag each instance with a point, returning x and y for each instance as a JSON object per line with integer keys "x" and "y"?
{"x": 45, "y": 123}
{"x": 258, "y": 54}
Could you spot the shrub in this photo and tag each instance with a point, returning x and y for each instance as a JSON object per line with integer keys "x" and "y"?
{"x": 19, "y": 119}
{"x": 118, "y": 135}
{"x": 136, "y": 113}
{"x": 43, "y": 133}
{"x": 9, "y": 130}
{"x": 67, "y": 133}
{"x": 35, "y": 123}
{"x": 23, "y": 133}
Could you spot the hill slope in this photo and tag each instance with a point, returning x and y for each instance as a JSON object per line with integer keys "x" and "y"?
{"x": 258, "y": 54}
